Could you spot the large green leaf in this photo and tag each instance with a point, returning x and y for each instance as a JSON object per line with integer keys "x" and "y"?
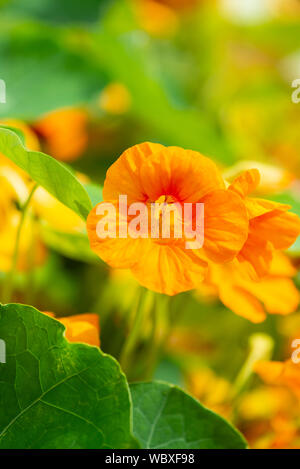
{"x": 47, "y": 172}
{"x": 164, "y": 417}
{"x": 54, "y": 394}
{"x": 44, "y": 70}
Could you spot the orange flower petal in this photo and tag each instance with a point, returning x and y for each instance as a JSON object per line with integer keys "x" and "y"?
{"x": 280, "y": 228}
{"x": 270, "y": 372}
{"x": 226, "y": 225}
{"x": 117, "y": 252}
{"x": 246, "y": 183}
{"x": 169, "y": 269}
{"x": 279, "y": 295}
{"x": 186, "y": 175}
{"x": 281, "y": 374}
{"x": 256, "y": 256}
{"x": 123, "y": 177}
{"x": 147, "y": 171}
{"x": 276, "y": 229}
{"x": 281, "y": 266}
{"x": 241, "y": 302}
{"x": 257, "y": 207}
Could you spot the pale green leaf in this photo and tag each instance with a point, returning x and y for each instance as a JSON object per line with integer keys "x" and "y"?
{"x": 165, "y": 417}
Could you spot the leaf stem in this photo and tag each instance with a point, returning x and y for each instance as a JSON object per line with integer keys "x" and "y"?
{"x": 158, "y": 334}
{"x": 135, "y": 333}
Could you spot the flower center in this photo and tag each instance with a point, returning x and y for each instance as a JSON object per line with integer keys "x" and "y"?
{"x": 168, "y": 199}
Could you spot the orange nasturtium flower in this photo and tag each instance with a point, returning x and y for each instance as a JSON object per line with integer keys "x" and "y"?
{"x": 151, "y": 173}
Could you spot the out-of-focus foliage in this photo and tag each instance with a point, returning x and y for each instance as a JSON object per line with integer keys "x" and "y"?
{"x": 56, "y": 12}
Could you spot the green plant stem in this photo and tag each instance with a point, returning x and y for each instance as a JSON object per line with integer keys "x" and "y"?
{"x": 260, "y": 348}
{"x": 154, "y": 344}
{"x": 8, "y": 287}
{"x": 135, "y": 333}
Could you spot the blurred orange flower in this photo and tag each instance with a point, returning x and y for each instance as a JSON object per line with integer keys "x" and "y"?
{"x": 81, "y": 328}
{"x": 286, "y": 374}
{"x": 64, "y": 132}
{"x": 282, "y": 393}
{"x": 269, "y": 418}
{"x": 211, "y": 390}
{"x": 149, "y": 173}
{"x": 156, "y": 18}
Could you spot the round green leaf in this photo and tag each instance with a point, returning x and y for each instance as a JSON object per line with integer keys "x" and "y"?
{"x": 54, "y": 394}
{"x": 165, "y": 417}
